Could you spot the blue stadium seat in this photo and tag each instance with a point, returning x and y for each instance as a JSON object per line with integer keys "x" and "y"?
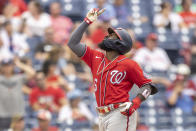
{"x": 75, "y": 9}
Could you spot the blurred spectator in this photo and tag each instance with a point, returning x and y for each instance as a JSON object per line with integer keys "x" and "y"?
{"x": 122, "y": 11}
{"x": 17, "y": 123}
{"x": 151, "y": 56}
{"x": 193, "y": 57}
{"x": 44, "y": 118}
{"x": 2, "y": 4}
{"x": 11, "y": 89}
{"x": 188, "y": 16}
{"x": 182, "y": 92}
{"x": 36, "y": 20}
{"x": 76, "y": 68}
{"x": 46, "y": 96}
{"x": 168, "y": 19}
{"x": 77, "y": 110}
{"x": 99, "y": 31}
{"x": 8, "y": 15}
{"x": 19, "y": 6}
{"x": 178, "y": 7}
{"x": 109, "y": 14}
{"x": 42, "y": 49}
{"x": 52, "y": 78}
{"x": 61, "y": 25}
{"x": 14, "y": 44}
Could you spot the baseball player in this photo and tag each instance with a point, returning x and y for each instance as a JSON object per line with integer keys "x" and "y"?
{"x": 113, "y": 76}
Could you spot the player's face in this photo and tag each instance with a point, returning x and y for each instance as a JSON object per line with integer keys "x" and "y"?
{"x": 108, "y": 39}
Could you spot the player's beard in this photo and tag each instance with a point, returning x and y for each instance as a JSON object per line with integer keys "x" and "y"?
{"x": 106, "y": 45}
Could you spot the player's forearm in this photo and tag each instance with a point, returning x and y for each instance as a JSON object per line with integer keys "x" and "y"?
{"x": 173, "y": 99}
{"x": 74, "y": 42}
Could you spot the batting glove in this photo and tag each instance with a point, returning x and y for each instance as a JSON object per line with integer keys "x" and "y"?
{"x": 92, "y": 15}
{"x": 130, "y": 107}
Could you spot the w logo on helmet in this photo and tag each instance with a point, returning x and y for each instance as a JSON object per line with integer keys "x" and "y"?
{"x": 117, "y": 76}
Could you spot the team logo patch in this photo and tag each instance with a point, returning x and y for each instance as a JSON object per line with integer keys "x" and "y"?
{"x": 117, "y": 76}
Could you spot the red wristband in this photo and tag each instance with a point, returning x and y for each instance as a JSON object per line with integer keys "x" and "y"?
{"x": 87, "y": 21}
{"x": 136, "y": 102}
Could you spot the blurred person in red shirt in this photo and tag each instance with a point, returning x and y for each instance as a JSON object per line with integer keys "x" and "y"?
{"x": 99, "y": 31}
{"x": 188, "y": 16}
{"x": 62, "y": 25}
{"x": 46, "y": 96}
{"x": 52, "y": 78}
{"x": 44, "y": 117}
{"x": 19, "y": 6}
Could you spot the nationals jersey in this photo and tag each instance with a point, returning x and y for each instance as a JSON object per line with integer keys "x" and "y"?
{"x": 114, "y": 79}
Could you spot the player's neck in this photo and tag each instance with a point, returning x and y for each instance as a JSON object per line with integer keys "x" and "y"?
{"x": 111, "y": 55}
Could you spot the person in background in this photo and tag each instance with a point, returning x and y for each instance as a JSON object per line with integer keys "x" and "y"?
{"x": 109, "y": 13}
{"x": 76, "y": 110}
{"x": 61, "y": 25}
{"x": 45, "y": 96}
{"x": 44, "y": 47}
{"x": 193, "y": 57}
{"x": 52, "y": 78}
{"x": 17, "y": 123}
{"x": 122, "y": 11}
{"x": 182, "y": 91}
{"x": 168, "y": 19}
{"x": 19, "y": 6}
{"x": 11, "y": 90}
{"x": 151, "y": 56}
{"x": 188, "y": 16}
{"x": 44, "y": 118}
{"x": 14, "y": 44}
{"x": 36, "y": 20}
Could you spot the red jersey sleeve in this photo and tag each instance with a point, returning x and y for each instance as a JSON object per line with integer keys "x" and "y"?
{"x": 88, "y": 56}
{"x": 136, "y": 75}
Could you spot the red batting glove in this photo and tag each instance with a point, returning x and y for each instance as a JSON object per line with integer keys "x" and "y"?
{"x": 130, "y": 107}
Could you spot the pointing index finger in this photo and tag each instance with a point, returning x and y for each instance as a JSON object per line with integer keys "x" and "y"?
{"x": 101, "y": 11}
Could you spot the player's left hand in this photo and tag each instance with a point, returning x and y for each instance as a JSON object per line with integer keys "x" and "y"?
{"x": 93, "y": 14}
{"x": 129, "y": 107}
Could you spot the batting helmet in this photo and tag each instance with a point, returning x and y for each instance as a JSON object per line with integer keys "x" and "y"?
{"x": 124, "y": 45}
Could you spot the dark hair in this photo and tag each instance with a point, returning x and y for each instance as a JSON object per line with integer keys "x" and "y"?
{"x": 164, "y": 5}
{"x": 46, "y": 66}
{"x": 38, "y": 6}
{"x": 183, "y": 2}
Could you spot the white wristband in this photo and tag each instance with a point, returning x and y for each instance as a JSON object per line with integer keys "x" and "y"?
{"x": 146, "y": 93}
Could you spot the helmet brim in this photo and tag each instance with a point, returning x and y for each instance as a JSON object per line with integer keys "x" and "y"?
{"x": 111, "y": 30}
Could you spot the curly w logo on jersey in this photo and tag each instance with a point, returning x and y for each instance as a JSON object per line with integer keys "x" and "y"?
{"x": 117, "y": 76}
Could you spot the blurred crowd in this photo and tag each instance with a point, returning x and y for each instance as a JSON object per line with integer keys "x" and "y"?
{"x": 45, "y": 87}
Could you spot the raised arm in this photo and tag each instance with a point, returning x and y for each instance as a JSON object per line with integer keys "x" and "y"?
{"x": 74, "y": 42}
